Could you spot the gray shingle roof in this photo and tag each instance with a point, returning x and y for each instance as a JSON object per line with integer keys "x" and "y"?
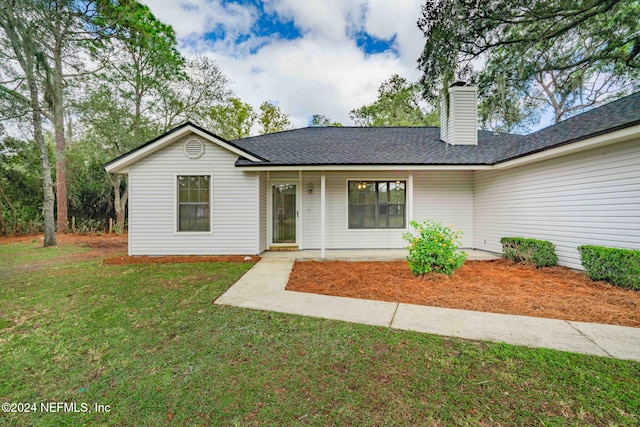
{"x": 371, "y": 146}
{"x": 416, "y": 145}
{"x": 615, "y": 115}
{"x": 422, "y": 145}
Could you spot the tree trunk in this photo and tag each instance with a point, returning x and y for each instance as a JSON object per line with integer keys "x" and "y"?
{"x": 61, "y": 177}
{"x": 26, "y": 50}
{"x": 119, "y": 203}
{"x": 58, "y": 126}
{"x": 3, "y": 223}
{"x": 47, "y": 182}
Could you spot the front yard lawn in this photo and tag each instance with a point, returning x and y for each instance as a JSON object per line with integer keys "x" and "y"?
{"x": 146, "y": 342}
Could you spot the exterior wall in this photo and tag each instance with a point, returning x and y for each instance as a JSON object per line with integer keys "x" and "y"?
{"x": 310, "y": 210}
{"x": 153, "y": 208}
{"x": 338, "y": 235}
{"x": 445, "y": 196}
{"x": 262, "y": 215}
{"x": 591, "y": 197}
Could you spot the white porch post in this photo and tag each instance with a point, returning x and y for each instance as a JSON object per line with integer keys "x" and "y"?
{"x": 410, "y": 196}
{"x": 322, "y": 215}
{"x": 258, "y": 225}
{"x": 300, "y": 210}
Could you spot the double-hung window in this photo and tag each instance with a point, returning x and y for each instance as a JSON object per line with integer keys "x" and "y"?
{"x": 194, "y": 203}
{"x": 377, "y": 204}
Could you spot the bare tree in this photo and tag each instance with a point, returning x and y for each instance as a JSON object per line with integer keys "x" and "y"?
{"x": 19, "y": 46}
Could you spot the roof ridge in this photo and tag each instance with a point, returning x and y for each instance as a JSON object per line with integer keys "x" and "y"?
{"x": 368, "y": 127}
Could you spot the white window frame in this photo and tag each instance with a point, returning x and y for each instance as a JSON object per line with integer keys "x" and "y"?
{"x": 176, "y": 198}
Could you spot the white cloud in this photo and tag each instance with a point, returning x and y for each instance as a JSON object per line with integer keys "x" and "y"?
{"x": 399, "y": 17}
{"x": 328, "y": 20}
{"x": 323, "y": 71}
{"x": 191, "y": 18}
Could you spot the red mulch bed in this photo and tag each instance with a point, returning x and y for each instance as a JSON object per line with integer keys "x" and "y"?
{"x": 497, "y": 286}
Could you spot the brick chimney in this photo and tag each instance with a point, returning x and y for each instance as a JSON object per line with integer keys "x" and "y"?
{"x": 459, "y": 122}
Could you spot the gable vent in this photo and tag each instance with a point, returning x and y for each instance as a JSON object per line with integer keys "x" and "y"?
{"x": 194, "y": 148}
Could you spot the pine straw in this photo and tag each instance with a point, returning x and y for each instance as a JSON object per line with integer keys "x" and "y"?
{"x": 497, "y": 286}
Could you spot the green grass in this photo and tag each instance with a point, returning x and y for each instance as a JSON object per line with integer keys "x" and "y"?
{"x": 27, "y": 255}
{"x": 147, "y": 341}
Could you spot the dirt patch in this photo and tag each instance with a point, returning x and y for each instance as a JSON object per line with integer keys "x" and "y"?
{"x": 70, "y": 238}
{"x": 121, "y": 260}
{"x": 497, "y": 286}
{"x": 101, "y": 244}
{"x": 113, "y": 248}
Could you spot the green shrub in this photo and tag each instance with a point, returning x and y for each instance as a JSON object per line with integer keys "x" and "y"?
{"x": 541, "y": 253}
{"x": 432, "y": 248}
{"x": 89, "y": 226}
{"x": 617, "y": 266}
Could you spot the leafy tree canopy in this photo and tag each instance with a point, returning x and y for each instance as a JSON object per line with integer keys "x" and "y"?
{"x": 232, "y": 119}
{"x": 458, "y": 32}
{"x": 21, "y": 202}
{"x": 320, "y": 120}
{"x": 398, "y": 104}
{"x": 272, "y": 119}
{"x": 513, "y": 89}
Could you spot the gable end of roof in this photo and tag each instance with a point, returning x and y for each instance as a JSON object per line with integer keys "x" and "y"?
{"x": 124, "y": 160}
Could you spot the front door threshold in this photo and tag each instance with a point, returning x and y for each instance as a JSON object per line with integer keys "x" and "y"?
{"x": 284, "y": 248}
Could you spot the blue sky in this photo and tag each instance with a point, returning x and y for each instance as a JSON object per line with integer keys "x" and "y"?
{"x": 307, "y": 56}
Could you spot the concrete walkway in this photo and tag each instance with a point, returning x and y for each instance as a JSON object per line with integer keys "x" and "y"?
{"x": 263, "y": 288}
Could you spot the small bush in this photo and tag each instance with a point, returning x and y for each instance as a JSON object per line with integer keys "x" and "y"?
{"x": 617, "y": 266}
{"x": 89, "y": 226}
{"x": 433, "y": 248}
{"x": 541, "y": 253}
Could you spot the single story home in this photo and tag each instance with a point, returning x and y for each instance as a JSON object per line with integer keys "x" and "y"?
{"x": 576, "y": 182}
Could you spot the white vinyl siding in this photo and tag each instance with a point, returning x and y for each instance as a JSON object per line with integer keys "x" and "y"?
{"x": 461, "y": 123}
{"x": 338, "y": 234}
{"x": 591, "y": 197}
{"x": 262, "y": 177}
{"x": 310, "y": 210}
{"x": 446, "y": 196}
{"x": 444, "y": 120}
{"x": 153, "y": 209}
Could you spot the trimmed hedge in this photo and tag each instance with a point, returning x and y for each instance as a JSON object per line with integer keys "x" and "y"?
{"x": 541, "y": 253}
{"x": 617, "y": 266}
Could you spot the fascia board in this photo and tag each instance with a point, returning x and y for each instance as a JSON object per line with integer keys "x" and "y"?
{"x": 122, "y": 164}
{"x": 576, "y": 147}
{"x": 262, "y": 168}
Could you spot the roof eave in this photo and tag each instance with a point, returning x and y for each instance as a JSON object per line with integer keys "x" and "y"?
{"x": 590, "y": 142}
{"x": 263, "y": 167}
{"x": 121, "y": 163}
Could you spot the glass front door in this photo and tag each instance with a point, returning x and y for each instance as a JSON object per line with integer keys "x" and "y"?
{"x": 284, "y": 209}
